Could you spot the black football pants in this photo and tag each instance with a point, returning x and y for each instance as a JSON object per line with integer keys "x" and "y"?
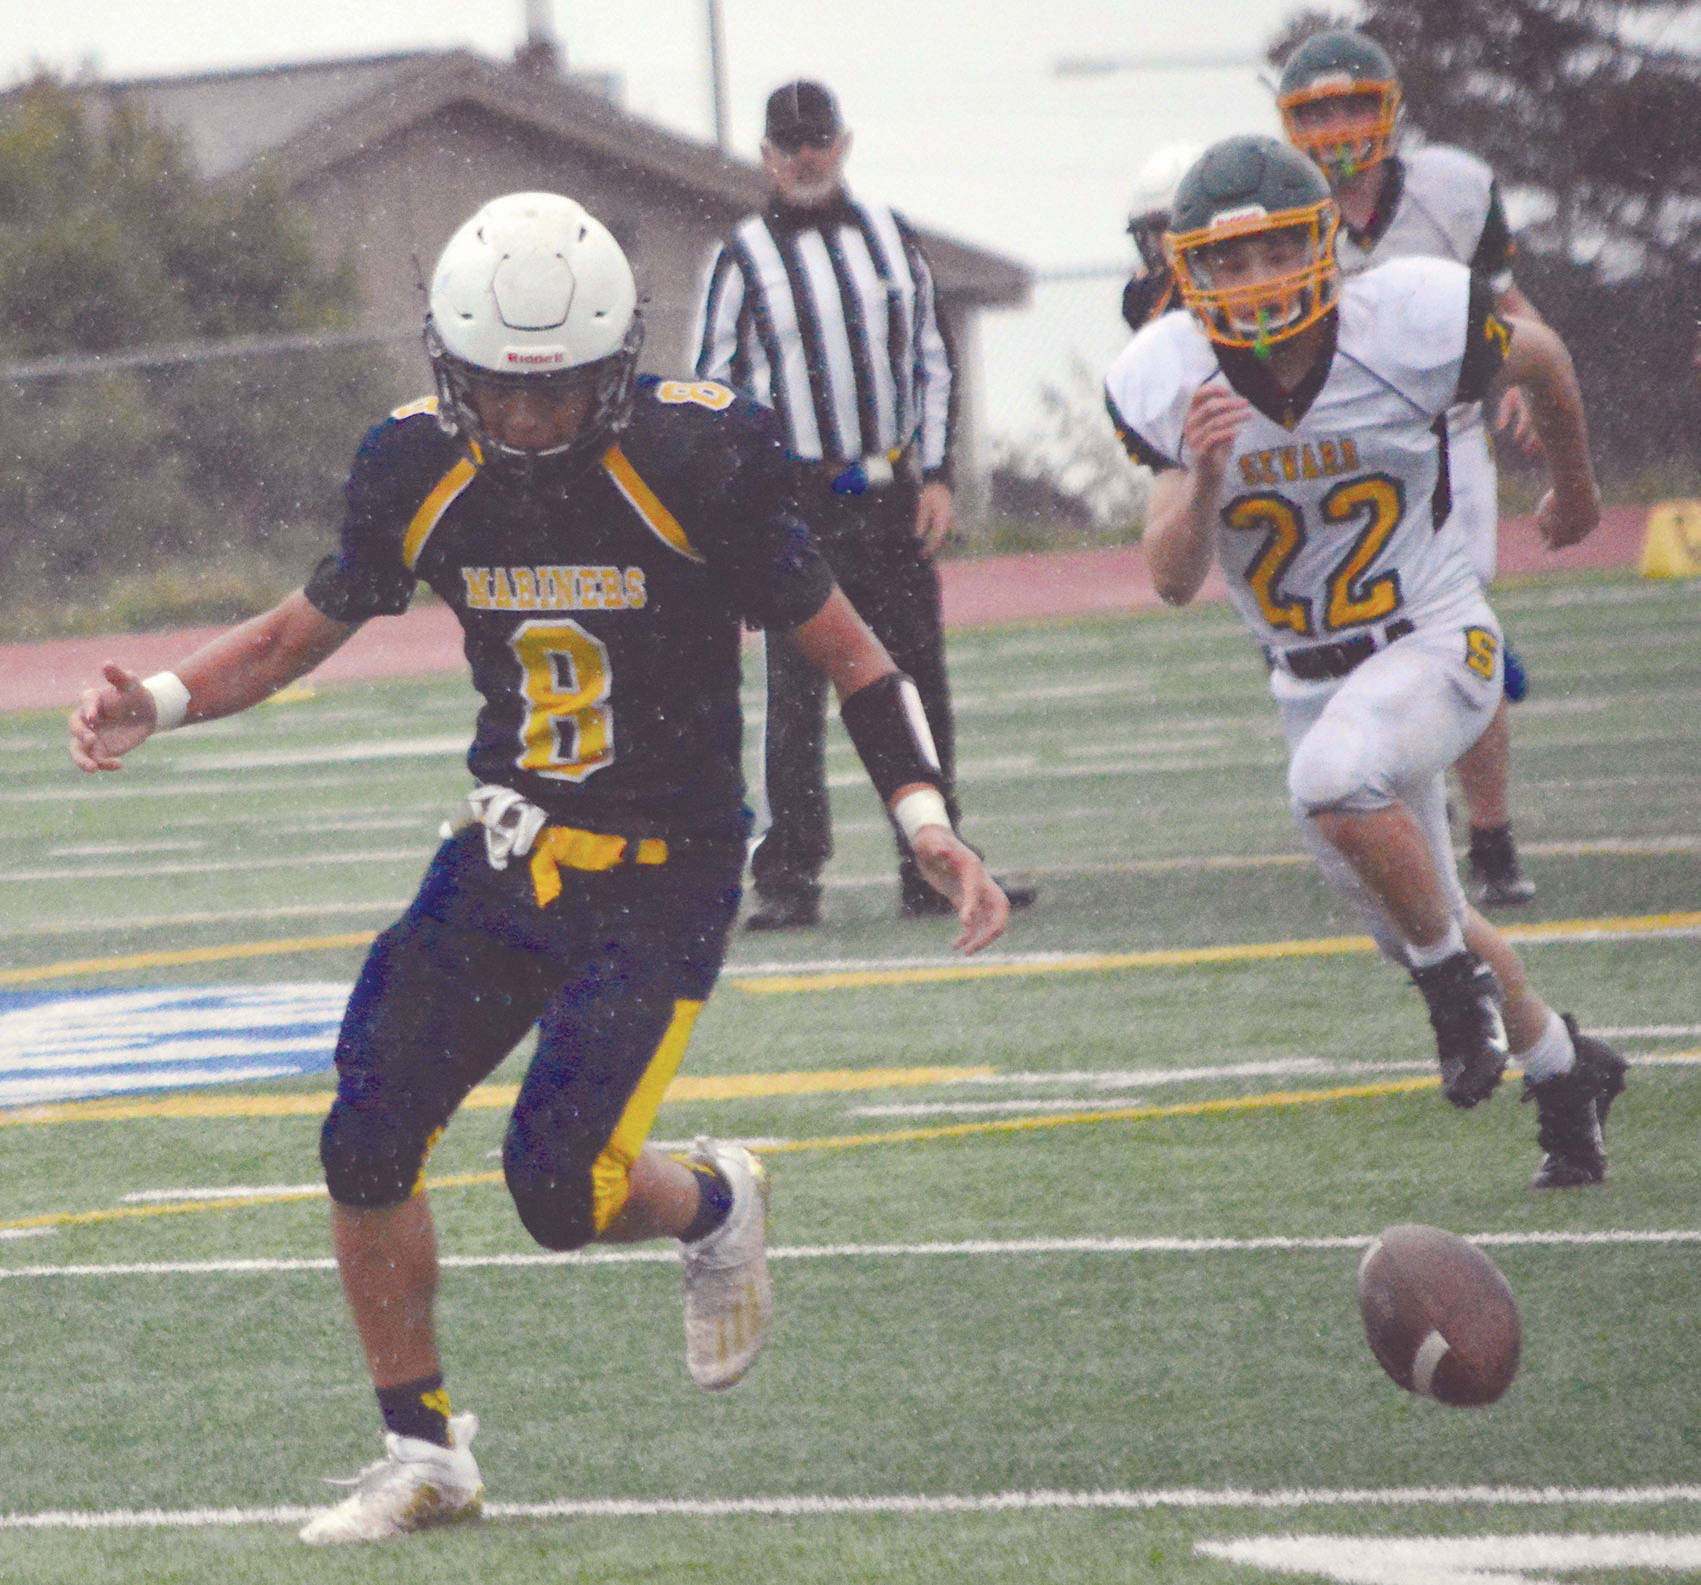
{"x": 869, "y": 542}
{"x": 612, "y": 972}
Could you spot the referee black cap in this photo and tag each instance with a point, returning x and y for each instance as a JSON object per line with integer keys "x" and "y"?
{"x": 802, "y": 112}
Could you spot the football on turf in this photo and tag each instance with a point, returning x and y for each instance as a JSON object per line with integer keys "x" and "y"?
{"x": 1439, "y": 1316}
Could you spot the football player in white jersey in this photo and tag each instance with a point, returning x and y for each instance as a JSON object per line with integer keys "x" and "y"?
{"x": 1292, "y": 419}
{"x": 1339, "y": 99}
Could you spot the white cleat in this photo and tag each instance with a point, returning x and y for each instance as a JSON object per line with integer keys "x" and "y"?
{"x": 729, "y": 1300}
{"x": 415, "y": 1486}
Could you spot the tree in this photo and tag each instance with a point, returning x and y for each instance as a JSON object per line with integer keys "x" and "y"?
{"x": 1071, "y": 481}
{"x": 1592, "y": 123}
{"x": 109, "y": 240}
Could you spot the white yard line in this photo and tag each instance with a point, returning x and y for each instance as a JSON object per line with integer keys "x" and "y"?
{"x": 973, "y": 1248}
{"x": 1122, "y": 1083}
{"x": 1653, "y": 846}
{"x": 316, "y": 859}
{"x": 1457, "y": 1560}
{"x": 809, "y": 1506}
{"x": 240, "y": 1191}
{"x": 244, "y": 787}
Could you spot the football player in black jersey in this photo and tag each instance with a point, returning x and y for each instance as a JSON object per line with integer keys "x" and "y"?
{"x": 1151, "y": 289}
{"x": 602, "y": 538}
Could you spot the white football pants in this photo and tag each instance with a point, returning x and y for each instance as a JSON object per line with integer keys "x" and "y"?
{"x": 1386, "y": 733}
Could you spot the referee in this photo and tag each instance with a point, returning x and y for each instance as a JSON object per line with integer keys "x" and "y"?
{"x": 821, "y": 308}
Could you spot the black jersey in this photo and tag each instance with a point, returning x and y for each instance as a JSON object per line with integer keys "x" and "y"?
{"x": 602, "y": 615}
{"x": 1147, "y": 295}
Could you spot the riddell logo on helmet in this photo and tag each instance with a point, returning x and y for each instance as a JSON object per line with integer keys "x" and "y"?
{"x": 1235, "y": 217}
{"x": 545, "y": 358}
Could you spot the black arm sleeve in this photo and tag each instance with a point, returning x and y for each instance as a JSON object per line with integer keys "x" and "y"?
{"x": 890, "y": 733}
{"x": 1147, "y": 296}
{"x": 1486, "y": 342}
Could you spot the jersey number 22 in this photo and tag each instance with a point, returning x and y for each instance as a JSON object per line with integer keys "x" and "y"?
{"x": 1375, "y": 499}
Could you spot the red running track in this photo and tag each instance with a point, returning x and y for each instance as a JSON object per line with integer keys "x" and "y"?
{"x": 979, "y": 591}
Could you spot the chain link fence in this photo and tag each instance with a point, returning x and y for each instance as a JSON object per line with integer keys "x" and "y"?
{"x": 1057, "y": 471}
{"x": 192, "y": 482}
{"x": 181, "y": 484}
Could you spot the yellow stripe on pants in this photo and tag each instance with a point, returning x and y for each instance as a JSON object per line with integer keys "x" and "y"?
{"x": 611, "y": 1171}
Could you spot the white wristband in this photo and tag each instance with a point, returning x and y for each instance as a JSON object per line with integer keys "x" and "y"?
{"x": 923, "y": 807}
{"x": 171, "y": 699}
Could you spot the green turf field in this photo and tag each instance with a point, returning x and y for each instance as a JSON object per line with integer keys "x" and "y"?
{"x": 1064, "y": 1237}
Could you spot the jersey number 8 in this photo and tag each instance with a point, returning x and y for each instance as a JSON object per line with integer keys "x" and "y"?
{"x": 569, "y": 730}
{"x": 705, "y": 393}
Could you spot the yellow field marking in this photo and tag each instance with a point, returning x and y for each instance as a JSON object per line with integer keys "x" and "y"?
{"x": 128, "y": 1213}
{"x": 1179, "y": 957}
{"x": 781, "y": 984}
{"x": 171, "y": 960}
{"x": 1634, "y": 924}
{"x": 314, "y": 1103}
{"x": 898, "y": 1136}
{"x": 1118, "y": 1114}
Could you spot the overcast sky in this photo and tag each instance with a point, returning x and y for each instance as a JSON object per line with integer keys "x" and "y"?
{"x": 959, "y": 115}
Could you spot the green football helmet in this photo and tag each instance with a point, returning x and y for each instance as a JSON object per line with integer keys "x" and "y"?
{"x": 1339, "y": 99}
{"x": 1252, "y": 242}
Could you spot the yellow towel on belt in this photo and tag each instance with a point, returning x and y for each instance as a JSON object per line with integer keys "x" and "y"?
{"x": 560, "y": 848}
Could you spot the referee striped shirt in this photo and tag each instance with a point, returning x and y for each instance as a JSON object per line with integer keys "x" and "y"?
{"x": 827, "y": 316}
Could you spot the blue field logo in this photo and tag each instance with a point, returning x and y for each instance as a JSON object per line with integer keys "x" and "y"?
{"x": 64, "y": 1046}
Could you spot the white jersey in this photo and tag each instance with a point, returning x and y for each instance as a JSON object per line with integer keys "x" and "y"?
{"x": 1447, "y": 208}
{"x": 1329, "y": 522}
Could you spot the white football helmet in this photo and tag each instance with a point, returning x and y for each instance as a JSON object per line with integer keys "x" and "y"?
{"x": 1154, "y": 194}
{"x": 534, "y": 288}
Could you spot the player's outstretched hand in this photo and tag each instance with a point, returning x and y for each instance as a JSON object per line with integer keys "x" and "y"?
{"x": 954, "y": 869}
{"x": 111, "y": 720}
{"x": 1568, "y": 522}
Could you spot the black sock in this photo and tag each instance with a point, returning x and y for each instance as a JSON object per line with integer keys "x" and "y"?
{"x": 418, "y": 1409}
{"x": 714, "y": 1202}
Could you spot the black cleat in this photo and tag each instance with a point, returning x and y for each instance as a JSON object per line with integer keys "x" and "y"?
{"x": 796, "y": 912}
{"x": 1497, "y": 878}
{"x": 925, "y": 903}
{"x": 1572, "y": 1108}
{"x": 1470, "y": 1037}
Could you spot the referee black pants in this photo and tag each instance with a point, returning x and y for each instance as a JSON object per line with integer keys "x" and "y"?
{"x": 869, "y": 542}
